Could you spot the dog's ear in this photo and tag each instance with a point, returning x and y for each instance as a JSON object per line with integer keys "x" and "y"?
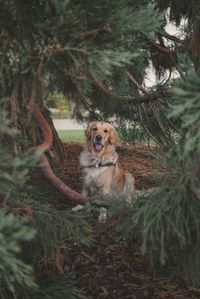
{"x": 113, "y": 138}
{"x": 88, "y": 131}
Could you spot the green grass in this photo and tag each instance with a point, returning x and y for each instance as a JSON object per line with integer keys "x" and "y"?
{"x": 60, "y": 115}
{"x": 79, "y": 136}
{"x": 71, "y": 135}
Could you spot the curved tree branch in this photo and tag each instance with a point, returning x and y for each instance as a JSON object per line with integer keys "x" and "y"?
{"x": 60, "y": 185}
{"x": 150, "y": 96}
{"x": 134, "y": 81}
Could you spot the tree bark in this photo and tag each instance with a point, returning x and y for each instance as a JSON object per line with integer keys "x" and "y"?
{"x": 27, "y": 93}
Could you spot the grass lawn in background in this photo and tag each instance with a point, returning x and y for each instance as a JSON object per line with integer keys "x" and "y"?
{"x": 71, "y": 135}
{"x": 79, "y": 136}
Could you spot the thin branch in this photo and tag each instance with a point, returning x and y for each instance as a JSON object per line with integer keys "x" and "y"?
{"x": 161, "y": 48}
{"x": 91, "y": 111}
{"x": 107, "y": 90}
{"x": 151, "y": 96}
{"x": 172, "y": 37}
{"x": 69, "y": 75}
{"x": 165, "y": 50}
{"x": 164, "y": 82}
{"x": 170, "y": 52}
{"x": 134, "y": 81}
{"x": 102, "y": 86}
{"x": 95, "y": 32}
{"x": 57, "y": 48}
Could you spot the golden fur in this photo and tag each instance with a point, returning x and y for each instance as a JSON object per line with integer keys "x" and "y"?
{"x": 101, "y": 141}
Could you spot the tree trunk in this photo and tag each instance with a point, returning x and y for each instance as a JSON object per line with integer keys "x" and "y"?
{"x": 26, "y": 94}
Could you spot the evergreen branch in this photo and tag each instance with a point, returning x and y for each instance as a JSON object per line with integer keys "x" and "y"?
{"x": 163, "y": 49}
{"x": 68, "y": 75}
{"x": 107, "y": 90}
{"x": 102, "y": 86}
{"x": 95, "y": 32}
{"x": 151, "y": 96}
{"x": 91, "y": 111}
{"x": 170, "y": 52}
{"x": 57, "y": 48}
{"x": 134, "y": 81}
{"x": 172, "y": 37}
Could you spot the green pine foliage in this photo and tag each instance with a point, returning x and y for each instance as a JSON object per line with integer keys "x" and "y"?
{"x": 185, "y": 107}
{"x": 53, "y": 230}
{"x": 168, "y": 218}
{"x": 13, "y": 230}
{"x": 32, "y": 231}
{"x": 68, "y": 42}
{"x": 14, "y": 271}
{"x": 62, "y": 44}
{"x": 65, "y": 45}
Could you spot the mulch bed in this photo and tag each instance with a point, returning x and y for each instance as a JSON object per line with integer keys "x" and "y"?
{"x": 135, "y": 159}
{"x": 111, "y": 269}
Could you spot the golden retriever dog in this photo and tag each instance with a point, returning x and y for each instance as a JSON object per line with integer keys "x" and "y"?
{"x": 102, "y": 173}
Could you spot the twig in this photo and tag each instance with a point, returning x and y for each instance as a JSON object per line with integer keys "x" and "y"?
{"x": 172, "y": 37}
{"x": 103, "y": 86}
{"x": 164, "y": 49}
{"x": 107, "y": 91}
{"x": 95, "y": 32}
{"x": 91, "y": 111}
{"x": 133, "y": 80}
{"x": 151, "y": 96}
{"x": 57, "y": 48}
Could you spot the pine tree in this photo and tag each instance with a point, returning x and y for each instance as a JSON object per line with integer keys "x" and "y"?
{"x": 97, "y": 53}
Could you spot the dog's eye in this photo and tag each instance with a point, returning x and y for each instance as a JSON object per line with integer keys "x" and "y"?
{"x": 94, "y": 129}
{"x": 105, "y": 131}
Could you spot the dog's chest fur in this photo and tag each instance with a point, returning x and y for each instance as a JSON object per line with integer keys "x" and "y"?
{"x": 92, "y": 175}
{"x": 92, "y": 180}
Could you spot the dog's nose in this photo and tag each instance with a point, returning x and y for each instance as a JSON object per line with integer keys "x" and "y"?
{"x": 98, "y": 138}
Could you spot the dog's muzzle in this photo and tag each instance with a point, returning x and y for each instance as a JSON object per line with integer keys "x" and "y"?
{"x": 98, "y": 143}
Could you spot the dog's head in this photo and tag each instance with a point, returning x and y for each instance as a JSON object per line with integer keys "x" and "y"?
{"x": 100, "y": 134}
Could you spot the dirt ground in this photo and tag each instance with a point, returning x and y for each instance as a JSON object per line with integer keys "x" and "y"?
{"x": 111, "y": 269}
